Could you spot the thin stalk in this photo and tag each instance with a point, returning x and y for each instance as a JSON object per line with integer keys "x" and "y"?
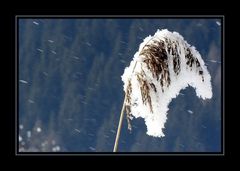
{"x": 121, "y": 119}
{"x": 119, "y": 126}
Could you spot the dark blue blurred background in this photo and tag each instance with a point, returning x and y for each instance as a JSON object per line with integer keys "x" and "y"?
{"x": 71, "y": 93}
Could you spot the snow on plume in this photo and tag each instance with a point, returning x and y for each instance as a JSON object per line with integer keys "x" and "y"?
{"x": 164, "y": 64}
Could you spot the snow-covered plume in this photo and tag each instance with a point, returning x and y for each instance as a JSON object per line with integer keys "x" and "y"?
{"x": 164, "y": 64}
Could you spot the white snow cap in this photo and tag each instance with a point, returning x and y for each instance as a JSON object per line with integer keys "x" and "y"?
{"x": 164, "y": 64}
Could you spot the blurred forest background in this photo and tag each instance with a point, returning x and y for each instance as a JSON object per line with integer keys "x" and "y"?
{"x": 71, "y": 93}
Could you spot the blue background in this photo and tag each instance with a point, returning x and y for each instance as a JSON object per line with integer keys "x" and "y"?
{"x": 74, "y": 91}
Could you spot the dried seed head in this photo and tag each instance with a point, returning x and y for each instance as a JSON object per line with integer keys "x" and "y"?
{"x": 145, "y": 90}
{"x": 128, "y": 104}
{"x": 155, "y": 57}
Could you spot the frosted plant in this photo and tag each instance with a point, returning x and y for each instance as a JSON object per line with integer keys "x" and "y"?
{"x": 164, "y": 64}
